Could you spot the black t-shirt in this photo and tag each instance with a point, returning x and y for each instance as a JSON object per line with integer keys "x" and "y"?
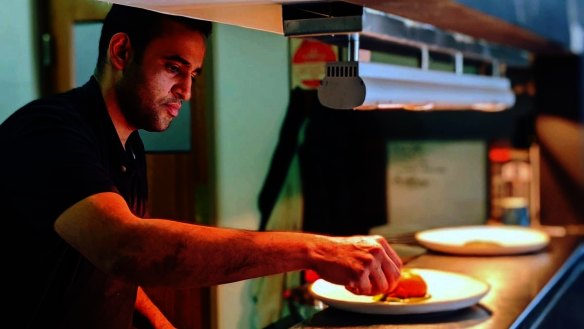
{"x": 57, "y": 151}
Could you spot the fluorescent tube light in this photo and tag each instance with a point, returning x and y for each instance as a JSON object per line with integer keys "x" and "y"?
{"x": 364, "y": 86}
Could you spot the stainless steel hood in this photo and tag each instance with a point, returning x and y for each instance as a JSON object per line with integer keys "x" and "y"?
{"x": 264, "y": 15}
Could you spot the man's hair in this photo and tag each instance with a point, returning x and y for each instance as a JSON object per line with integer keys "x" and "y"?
{"x": 142, "y": 26}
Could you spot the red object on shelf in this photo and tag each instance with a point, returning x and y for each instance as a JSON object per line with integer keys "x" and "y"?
{"x": 500, "y": 154}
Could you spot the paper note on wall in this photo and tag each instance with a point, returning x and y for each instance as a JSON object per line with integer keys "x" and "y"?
{"x": 436, "y": 183}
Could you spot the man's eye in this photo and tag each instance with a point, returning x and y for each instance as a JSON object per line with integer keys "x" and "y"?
{"x": 172, "y": 68}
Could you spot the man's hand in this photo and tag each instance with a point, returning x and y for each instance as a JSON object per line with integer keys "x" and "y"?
{"x": 365, "y": 265}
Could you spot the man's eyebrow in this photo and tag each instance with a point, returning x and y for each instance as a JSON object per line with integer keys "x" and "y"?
{"x": 179, "y": 59}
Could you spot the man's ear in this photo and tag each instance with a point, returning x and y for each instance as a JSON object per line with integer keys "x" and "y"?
{"x": 120, "y": 50}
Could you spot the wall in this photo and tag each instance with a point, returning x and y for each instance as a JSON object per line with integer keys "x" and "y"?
{"x": 250, "y": 96}
{"x": 18, "y": 78}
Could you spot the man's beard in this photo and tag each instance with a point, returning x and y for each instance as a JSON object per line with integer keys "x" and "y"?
{"x": 138, "y": 113}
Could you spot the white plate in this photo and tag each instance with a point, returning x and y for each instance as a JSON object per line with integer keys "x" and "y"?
{"x": 448, "y": 292}
{"x": 484, "y": 240}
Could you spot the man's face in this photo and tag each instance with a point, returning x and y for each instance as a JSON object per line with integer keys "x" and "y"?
{"x": 151, "y": 91}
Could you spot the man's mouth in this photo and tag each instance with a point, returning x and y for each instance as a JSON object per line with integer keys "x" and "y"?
{"x": 173, "y": 109}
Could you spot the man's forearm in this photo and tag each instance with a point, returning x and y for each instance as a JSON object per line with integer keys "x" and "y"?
{"x": 150, "y": 311}
{"x": 159, "y": 252}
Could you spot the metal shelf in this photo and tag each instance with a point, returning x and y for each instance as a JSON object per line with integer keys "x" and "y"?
{"x": 333, "y": 21}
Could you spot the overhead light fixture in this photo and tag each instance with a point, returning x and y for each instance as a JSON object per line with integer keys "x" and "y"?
{"x": 364, "y": 86}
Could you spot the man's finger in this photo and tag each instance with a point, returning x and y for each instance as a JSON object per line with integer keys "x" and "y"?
{"x": 391, "y": 253}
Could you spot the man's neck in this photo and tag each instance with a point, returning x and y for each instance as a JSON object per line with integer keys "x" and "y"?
{"x": 123, "y": 127}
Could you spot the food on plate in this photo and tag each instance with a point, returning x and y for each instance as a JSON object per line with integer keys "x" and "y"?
{"x": 482, "y": 243}
{"x": 411, "y": 287}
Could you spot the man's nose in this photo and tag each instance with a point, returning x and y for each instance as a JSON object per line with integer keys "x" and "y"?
{"x": 182, "y": 89}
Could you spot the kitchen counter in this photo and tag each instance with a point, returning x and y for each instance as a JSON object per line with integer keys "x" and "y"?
{"x": 522, "y": 286}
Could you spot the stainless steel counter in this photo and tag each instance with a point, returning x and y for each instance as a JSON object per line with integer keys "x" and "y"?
{"x": 519, "y": 284}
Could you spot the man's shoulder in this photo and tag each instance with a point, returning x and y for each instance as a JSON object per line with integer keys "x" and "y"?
{"x": 69, "y": 103}
{"x": 67, "y": 108}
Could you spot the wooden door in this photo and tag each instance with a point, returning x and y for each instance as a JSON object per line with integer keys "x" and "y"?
{"x": 176, "y": 179}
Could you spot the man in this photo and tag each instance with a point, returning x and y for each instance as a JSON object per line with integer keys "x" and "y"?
{"x": 73, "y": 195}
